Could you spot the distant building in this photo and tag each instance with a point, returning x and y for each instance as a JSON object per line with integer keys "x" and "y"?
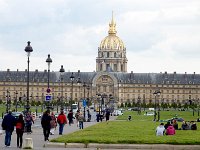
{"x": 111, "y": 79}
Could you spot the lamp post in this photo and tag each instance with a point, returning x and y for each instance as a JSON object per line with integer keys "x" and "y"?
{"x": 156, "y": 93}
{"x": 139, "y": 105}
{"x": 16, "y": 101}
{"x": 79, "y": 84}
{"x": 28, "y": 49}
{"x": 84, "y": 85}
{"x": 7, "y": 100}
{"x": 88, "y": 95}
{"x": 62, "y": 70}
{"x": 48, "y": 61}
{"x": 72, "y": 80}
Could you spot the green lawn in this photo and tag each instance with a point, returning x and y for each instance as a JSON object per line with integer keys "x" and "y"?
{"x": 140, "y": 130}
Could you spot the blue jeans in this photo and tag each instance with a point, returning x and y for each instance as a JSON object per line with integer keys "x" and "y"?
{"x": 8, "y": 138}
{"x": 61, "y": 126}
{"x": 80, "y": 124}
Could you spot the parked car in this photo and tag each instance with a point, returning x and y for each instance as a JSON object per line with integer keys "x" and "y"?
{"x": 117, "y": 112}
{"x": 15, "y": 114}
{"x": 149, "y": 114}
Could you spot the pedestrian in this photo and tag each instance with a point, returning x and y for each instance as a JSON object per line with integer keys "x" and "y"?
{"x": 81, "y": 120}
{"x": 98, "y": 117}
{"x": 76, "y": 116}
{"x": 53, "y": 123}
{"x": 160, "y": 130}
{"x": 20, "y": 130}
{"x": 8, "y": 124}
{"x": 70, "y": 117}
{"x": 28, "y": 122}
{"x": 62, "y": 120}
{"x": 107, "y": 115}
{"x": 89, "y": 115}
{"x": 45, "y": 122}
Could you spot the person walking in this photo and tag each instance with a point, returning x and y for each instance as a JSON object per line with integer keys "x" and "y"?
{"x": 76, "y": 116}
{"x": 107, "y": 115}
{"x": 8, "y": 124}
{"x": 81, "y": 120}
{"x": 62, "y": 120}
{"x": 70, "y": 117}
{"x": 28, "y": 122}
{"x": 45, "y": 122}
{"x": 20, "y": 130}
{"x": 53, "y": 123}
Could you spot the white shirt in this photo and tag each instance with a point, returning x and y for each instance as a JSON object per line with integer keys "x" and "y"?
{"x": 160, "y": 130}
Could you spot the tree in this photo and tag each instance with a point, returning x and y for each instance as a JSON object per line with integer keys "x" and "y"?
{"x": 122, "y": 105}
{"x": 129, "y": 104}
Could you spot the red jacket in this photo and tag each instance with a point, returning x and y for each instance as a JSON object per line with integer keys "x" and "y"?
{"x": 62, "y": 119}
{"x": 170, "y": 130}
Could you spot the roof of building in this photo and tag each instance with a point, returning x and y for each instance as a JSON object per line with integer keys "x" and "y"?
{"x": 127, "y": 78}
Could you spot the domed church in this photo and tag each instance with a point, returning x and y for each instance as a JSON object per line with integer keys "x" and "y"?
{"x": 110, "y": 84}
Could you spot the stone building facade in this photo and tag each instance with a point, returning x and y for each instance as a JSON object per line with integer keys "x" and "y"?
{"x": 111, "y": 79}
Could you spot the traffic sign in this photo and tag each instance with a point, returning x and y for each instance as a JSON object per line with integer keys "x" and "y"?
{"x": 48, "y": 90}
{"x": 84, "y": 103}
{"x": 48, "y": 97}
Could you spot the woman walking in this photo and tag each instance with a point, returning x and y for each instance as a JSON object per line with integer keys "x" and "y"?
{"x": 53, "y": 123}
{"x": 62, "y": 120}
{"x": 20, "y": 130}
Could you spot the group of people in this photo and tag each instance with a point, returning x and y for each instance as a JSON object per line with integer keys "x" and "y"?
{"x": 22, "y": 124}
{"x": 170, "y": 127}
{"x": 167, "y": 129}
{"x": 188, "y": 125}
{"x": 48, "y": 122}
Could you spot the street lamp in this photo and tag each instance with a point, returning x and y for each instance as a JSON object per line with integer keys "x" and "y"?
{"x": 156, "y": 93}
{"x": 79, "y": 84}
{"x": 7, "y": 100}
{"x": 49, "y": 61}
{"x": 84, "y": 85}
{"x": 16, "y": 101}
{"x": 62, "y": 70}
{"x": 139, "y": 105}
{"x": 28, "y": 49}
{"x": 72, "y": 79}
{"x": 88, "y": 95}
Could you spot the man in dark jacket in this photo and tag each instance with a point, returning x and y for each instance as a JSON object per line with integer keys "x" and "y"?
{"x": 45, "y": 122}
{"x": 8, "y": 124}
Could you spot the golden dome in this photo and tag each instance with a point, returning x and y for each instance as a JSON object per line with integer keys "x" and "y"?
{"x": 112, "y": 42}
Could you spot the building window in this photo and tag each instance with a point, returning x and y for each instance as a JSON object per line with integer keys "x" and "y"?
{"x": 115, "y": 67}
{"x": 108, "y": 55}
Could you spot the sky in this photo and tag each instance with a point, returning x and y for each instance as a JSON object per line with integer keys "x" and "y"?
{"x": 159, "y": 35}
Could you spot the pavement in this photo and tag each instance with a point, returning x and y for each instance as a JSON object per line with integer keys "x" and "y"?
{"x": 40, "y": 144}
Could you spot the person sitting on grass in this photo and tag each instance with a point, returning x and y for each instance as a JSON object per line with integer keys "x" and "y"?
{"x": 175, "y": 124}
{"x": 184, "y": 126}
{"x": 193, "y": 126}
{"x": 160, "y": 130}
{"x": 170, "y": 130}
{"x": 167, "y": 124}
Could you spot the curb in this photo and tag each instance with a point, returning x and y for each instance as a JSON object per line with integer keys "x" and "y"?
{"x": 123, "y": 146}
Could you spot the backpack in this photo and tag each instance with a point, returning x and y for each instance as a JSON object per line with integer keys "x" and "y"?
{"x": 18, "y": 125}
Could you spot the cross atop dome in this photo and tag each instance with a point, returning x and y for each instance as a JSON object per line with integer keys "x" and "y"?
{"x": 112, "y": 25}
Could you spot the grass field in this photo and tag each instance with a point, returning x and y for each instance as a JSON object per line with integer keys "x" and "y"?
{"x": 140, "y": 130}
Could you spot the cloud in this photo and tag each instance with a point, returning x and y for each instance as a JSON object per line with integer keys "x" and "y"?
{"x": 159, "y": 35}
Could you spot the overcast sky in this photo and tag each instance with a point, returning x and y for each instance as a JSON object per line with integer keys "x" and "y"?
{"x": 159, "y": 35}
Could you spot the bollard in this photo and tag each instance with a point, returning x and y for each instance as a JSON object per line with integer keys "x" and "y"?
{"x": 28, "y": 144}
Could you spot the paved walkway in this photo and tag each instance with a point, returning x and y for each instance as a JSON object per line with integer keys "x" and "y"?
{"x": 38, "y": 138}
